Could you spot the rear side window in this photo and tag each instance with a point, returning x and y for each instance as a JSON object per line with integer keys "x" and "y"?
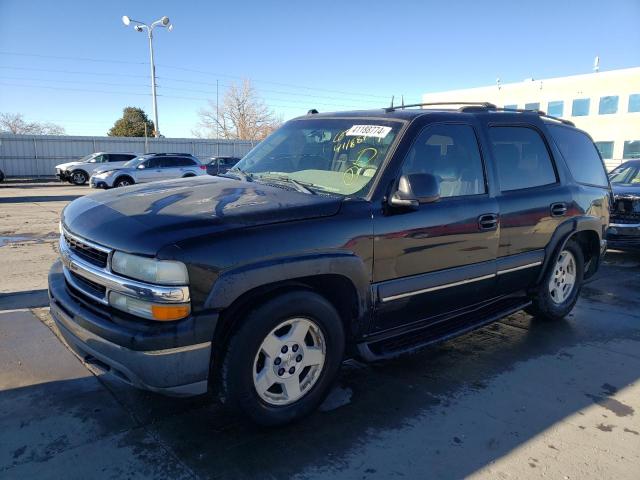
{"x": 184, "y": 162}
{"x": 451, "y": 154}
{"x": 580, "y": 154}
{"x": 521, "y": 157}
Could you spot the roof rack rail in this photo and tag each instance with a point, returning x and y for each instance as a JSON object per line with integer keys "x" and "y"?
{"x": 539, "y": 112}
{"x": 485, "y": 105}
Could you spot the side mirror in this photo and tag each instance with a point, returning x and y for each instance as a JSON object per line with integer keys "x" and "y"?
{"x": 415, "y": 189}
{"x": 141, "y": 166}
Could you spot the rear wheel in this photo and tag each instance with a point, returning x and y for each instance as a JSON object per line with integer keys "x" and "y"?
{"x": 123, "y": 182}
{"x": 558, "y": 293}
{"x": 78, "y": 177}
{"x": 283, "y": 359}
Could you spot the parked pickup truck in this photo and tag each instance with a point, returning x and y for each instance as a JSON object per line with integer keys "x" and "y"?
{"x": 365, "y": 234}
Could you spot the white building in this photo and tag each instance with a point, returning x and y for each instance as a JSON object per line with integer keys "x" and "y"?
{"x": 605, "y": 104}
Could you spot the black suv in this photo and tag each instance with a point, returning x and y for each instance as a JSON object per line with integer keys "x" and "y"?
{"x": 363, "y": 234}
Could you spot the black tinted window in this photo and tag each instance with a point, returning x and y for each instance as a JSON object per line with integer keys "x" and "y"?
{"x": 522, "y": 159}
{"x": 154, "y": 163}
{"x": 184, "y": 162}
{"x": 450, "y": 153}
{"x": 580, "y": 154}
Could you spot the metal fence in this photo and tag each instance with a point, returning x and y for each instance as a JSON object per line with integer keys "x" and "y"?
{"x": 37, "y": 155}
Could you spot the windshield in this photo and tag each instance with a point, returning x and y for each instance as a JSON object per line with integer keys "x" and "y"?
{"x": 628, "y": 174}
{"x": 340, "y": 156}
{"x": 134, "y": 162}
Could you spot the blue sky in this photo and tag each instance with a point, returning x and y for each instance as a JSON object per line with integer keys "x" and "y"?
{"x": 74, "y": 63}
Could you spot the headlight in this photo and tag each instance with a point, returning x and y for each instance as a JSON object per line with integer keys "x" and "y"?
{"x": 103, "y": 174}
{"x": 164, "y": 312}
{"x": 161, "y": 272}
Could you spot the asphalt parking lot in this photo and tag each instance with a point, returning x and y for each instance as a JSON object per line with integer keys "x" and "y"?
{"x": 522, "y": 398}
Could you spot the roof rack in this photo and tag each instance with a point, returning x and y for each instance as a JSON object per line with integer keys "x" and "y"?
{"x": 482, "y": 106}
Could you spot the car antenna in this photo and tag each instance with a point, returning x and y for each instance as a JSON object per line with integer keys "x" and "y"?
{"x": 402, "y": 101}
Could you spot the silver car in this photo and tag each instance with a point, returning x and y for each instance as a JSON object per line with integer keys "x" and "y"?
{"x": 148, "y": 168}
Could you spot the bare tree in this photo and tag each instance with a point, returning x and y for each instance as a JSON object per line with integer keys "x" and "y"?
{"x": 242, "y": 115}
{"x": 15, "y": 123}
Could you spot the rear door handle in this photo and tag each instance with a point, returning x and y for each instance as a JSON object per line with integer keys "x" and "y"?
{"x": 558, "y": 209}
{"x": 488, "y": 221}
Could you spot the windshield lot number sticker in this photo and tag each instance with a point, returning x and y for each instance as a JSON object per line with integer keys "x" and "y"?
{"x": 376, "y": 131}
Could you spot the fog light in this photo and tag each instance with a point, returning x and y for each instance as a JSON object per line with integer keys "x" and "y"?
{"x": 152, "y": 311}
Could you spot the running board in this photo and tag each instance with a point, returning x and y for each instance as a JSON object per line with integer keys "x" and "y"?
{"x": 441, "y": 331}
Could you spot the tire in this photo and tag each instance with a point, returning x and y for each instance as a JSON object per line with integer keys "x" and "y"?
{"x": 554, "y": 299}
{"x": 123, "y": 182}
{"x": 78, "y": 177}
{"x": 1, "y": 176}
{"x": 313, "y": 365}
{"x": 188, "y": 175}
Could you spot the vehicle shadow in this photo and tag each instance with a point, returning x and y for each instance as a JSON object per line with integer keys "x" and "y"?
{"x": 39, "y": 198}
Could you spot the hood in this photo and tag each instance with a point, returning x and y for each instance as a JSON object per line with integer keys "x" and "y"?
{"x": 107, "y": 168}
{"x": 65, "y": 166}
{"x": 625, "y": 190}
{"x": 144, "y": 218}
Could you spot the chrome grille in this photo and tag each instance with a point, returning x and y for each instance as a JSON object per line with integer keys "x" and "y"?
{"x": 91, "y": 254}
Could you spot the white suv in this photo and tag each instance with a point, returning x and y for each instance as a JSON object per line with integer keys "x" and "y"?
{"x": 148, "y": 168}
{"x": 80, "y": 171}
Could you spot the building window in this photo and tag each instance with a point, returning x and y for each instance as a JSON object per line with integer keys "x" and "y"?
{"x": 555, "y": 109}
{"x": 608, "y": 105}
{"x": 511, "y": 107}
{"x": 532, "y": 106}
{"x": 605, "y": 149}
{"x": 634, "y": 102}
{"x": 631, "y": 149}
{"x": 580, "y": 107}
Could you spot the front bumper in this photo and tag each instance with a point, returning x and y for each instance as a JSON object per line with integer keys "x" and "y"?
{"x": 62, "y": 175}
{"x": 129, "y": 354}
{"x": 95, "y": 183}
{"x": 624, "y": 236}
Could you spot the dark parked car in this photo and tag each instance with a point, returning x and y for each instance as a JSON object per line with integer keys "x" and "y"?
{"x": 364, "y": 234}
{"x": 218, "y": 165}
{"x": 624, "y": 231}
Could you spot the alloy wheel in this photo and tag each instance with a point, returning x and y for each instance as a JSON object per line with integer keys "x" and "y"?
{"x": 289, "y": 361}
{"x": 563, "y": 279}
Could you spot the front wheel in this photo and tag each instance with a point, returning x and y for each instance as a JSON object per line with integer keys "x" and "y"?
{"x": 78, "y": 177}
{"x": 123, "y": 182}
{"x": 558, "y": 293}
{"x": 283, "y": 359}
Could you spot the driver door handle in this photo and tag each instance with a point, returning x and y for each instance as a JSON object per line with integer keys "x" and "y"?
{"x": 488, "y": 221}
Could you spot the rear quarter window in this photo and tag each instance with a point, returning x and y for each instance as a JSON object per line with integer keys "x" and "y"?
{"x": 580, "y": 154}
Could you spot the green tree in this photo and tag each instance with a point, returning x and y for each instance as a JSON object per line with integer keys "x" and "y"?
{"x": 132, "y": 124}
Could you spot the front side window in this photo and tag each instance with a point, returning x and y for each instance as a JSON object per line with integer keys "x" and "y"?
{"x": 605, "y": 149}
{"x": 634, "y": 102}
{"x": 608, "y": 105}
{"x": 521, "y": 157}
{"x": 555, "y": 108}
{"x": 580, "y": 107}
{"x": 532, "y": 106}
{"x": 580, "y": 154}
{"x": 631, "y": 149}
{"x": 331, "y": 155}
{"x": 451, "y": 154}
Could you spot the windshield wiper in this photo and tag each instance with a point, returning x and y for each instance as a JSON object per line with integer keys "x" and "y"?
{"x": 237, "y": 174}
{"x": 301, "y": 187}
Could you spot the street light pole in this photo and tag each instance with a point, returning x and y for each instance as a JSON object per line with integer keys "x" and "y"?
{"x": 139, "y": 27}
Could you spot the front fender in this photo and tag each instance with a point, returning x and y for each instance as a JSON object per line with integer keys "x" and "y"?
{"x": 235, "y": 282}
